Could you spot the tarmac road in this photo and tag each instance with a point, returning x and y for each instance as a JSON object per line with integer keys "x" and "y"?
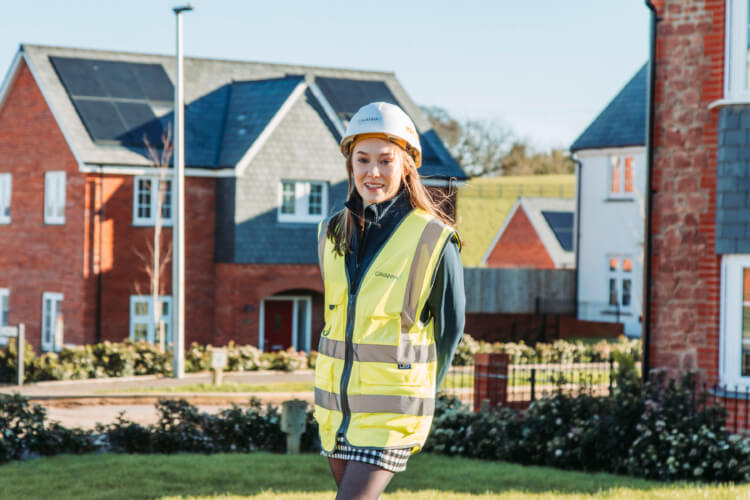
{"x": 83, "y": 403}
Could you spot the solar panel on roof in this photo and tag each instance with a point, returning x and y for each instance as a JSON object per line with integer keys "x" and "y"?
{"x": 101, "y": 119}
{"x": 116, "y": 99}
{"x": 346, "y": 95}
{"x": 562, "y": 225}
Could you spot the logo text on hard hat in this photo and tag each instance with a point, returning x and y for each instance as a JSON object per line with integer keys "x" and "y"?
{"x": 410, "y": 130}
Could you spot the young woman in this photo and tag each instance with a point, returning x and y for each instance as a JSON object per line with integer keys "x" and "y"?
{"x": 394, "y": 306}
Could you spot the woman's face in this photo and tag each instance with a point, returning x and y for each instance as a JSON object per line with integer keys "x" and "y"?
{"x": 377, "y": 169}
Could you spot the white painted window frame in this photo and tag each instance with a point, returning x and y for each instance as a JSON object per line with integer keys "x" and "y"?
{"x": 622, "y": 194}
{"x": 54, "y": 197}
{"x": 4, "y": 306}
{"x": 302, "y": 201}
{"x": 619, "y": 276}
{"x": 153, "y": 202}
{"x": 49, "y": 340}
{"x": 730, "y": 321}
{"x": 148, "y": 318}
{"x": 736, "y": 54}
{"x": 6, "y": 190}
{"x": 308, "y": 324}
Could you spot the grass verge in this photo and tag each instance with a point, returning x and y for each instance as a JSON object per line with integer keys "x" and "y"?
{"x": 226, "y": 387}
{"x": 267, "y": 476}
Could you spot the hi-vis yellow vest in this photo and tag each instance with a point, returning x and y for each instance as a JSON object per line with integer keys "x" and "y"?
{"x": 376, "y": 369}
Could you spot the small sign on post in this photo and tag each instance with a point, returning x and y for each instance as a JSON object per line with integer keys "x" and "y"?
{"x": 293, "y": 419}
{"x": 218, "y": 363}
{"x": 19, "y": 332}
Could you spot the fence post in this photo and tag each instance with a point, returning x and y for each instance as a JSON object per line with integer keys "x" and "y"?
{"x": 21, "y": 347}
{"x": 490, "y": 379}
{"x": 533, "y": 384}
{"x": 611, "y": 373}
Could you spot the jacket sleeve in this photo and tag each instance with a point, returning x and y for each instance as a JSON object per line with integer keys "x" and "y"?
{"x": 447, "y": 305}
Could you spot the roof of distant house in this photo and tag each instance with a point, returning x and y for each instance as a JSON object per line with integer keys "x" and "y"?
{"x": 107, "y": 102}
{"x": 622, "y": 122}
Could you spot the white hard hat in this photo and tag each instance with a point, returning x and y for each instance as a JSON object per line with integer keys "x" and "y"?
{"x": 384, "y": 120}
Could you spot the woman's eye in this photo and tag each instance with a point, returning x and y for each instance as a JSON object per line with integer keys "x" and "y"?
{"x": 362, "y": 160}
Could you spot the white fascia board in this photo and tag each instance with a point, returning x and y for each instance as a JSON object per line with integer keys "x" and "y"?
{"x": 135, "y": 170}
{"x": 629, "y": 150}
{"x": 329, "y": 111}
{"x": 442, "y": 183}
{"x": 270, "y": 127}
{"x": 10, "y": 77}
{"x": 54, "y": 114}
{"x": 499, "y": 234}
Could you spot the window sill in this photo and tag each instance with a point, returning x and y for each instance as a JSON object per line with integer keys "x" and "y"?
{"x": 285, "y": 219}
{"x": 151, "y": 224}
{"x": 610, "y": 312}
{"x": 730, "y": 101}
{"x": 619, "y": 198}
{"x": 54, "y": 222}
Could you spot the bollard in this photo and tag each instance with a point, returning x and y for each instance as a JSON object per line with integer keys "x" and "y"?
{"x": 218, "y": 363}
{"x": 21, "y": 346}
{"x": 293, "y": 418}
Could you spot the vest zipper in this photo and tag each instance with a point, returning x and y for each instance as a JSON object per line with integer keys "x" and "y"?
{"x": 349, "y": 334}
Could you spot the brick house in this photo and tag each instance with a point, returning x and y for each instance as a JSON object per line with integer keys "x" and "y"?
{"x": 78, "y": 193}
{"x": 699, "y": 316}
{"x": 538, "y": 233}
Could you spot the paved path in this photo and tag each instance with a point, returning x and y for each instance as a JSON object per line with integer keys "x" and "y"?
{"x": 83, "y": 403}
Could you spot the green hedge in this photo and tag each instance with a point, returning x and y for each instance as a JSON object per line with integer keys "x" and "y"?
{"x": 559, "y": 351}
{"x": 121, "y": 359}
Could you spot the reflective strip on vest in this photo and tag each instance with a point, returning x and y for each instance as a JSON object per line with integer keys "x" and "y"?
{"x": 322, "y": 237}
{"x": 425, "y": 248}
{"x": 405, "y": 352}
{"x": 377, "y": 403}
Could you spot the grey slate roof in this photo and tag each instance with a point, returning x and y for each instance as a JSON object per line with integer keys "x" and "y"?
{"x": 623, "y": 122}
{"x": 215, "y": 91}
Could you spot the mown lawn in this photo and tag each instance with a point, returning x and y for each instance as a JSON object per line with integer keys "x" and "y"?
{"x": 268, "y": 476}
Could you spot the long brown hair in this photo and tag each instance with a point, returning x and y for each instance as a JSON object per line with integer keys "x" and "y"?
{"x": 343, "y": 225}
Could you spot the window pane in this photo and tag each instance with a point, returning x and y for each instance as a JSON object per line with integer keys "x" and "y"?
{"x": 615, "y": 186}
{"x": 746, "y": 322}
{"x": 3, "y": 309}
{"x": 166, "y": 207}
{"x": 140, "y": 332}
{"x": 140, "y": 308}
{"x": 629, "y": 174}
{"x": 614, "y": 264}
{"x": 612, "y": 292}
{"x": 46, "y": 321}
{"x": 625, "y": 292}
{"x": 143, "y": 208}
{"x": 287, "y": 198}
{"x": 627, "y": 265}
{"x": 315, "y": 205}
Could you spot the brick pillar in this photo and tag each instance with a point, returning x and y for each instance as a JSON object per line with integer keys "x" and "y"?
{"x": 490, "y": 379}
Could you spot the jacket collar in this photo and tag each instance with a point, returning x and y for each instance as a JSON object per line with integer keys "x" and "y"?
{"x": 375, "y": 213}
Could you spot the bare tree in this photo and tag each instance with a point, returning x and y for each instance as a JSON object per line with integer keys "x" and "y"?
{"x": 154, "y": 263}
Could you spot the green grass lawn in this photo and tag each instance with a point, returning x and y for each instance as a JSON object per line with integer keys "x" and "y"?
{"x": 267, "y": 476}
{"x": 225, "y": 387}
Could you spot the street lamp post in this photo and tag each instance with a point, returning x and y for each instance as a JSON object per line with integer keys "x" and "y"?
{"x": 178, "y": 231}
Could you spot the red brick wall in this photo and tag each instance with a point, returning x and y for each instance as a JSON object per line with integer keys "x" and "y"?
{"x": 36, "y": 257}
{"x": 685, "y": 270}
{"x": 241, "y": 287}
{"x": 520, "y": 246}
{"x": 125, "y": 256}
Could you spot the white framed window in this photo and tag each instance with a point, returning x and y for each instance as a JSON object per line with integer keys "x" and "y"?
{"x": 736, "y": 69}
{"x": 302, "y": 201}
{"x": 4, "y": 306}
{"x": 142, "y": 324}
{"x": 620, "y": 282}
{"x": 734, "y": 353}
{"x": 146, "y": 201}
{"x": 5, "y": 194}
{"x": 621, "y": 172}
{"x": 52, "y": 321}
{"x": 54, "y": 197}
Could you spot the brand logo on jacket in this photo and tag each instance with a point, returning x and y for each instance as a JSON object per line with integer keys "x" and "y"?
{"x": 389, "y": 276}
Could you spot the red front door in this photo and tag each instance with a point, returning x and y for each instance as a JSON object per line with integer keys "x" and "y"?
{"x": 277, "y": 328}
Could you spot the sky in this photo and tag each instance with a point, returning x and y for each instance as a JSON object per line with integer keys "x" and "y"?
{"x": 542, "y": 68}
